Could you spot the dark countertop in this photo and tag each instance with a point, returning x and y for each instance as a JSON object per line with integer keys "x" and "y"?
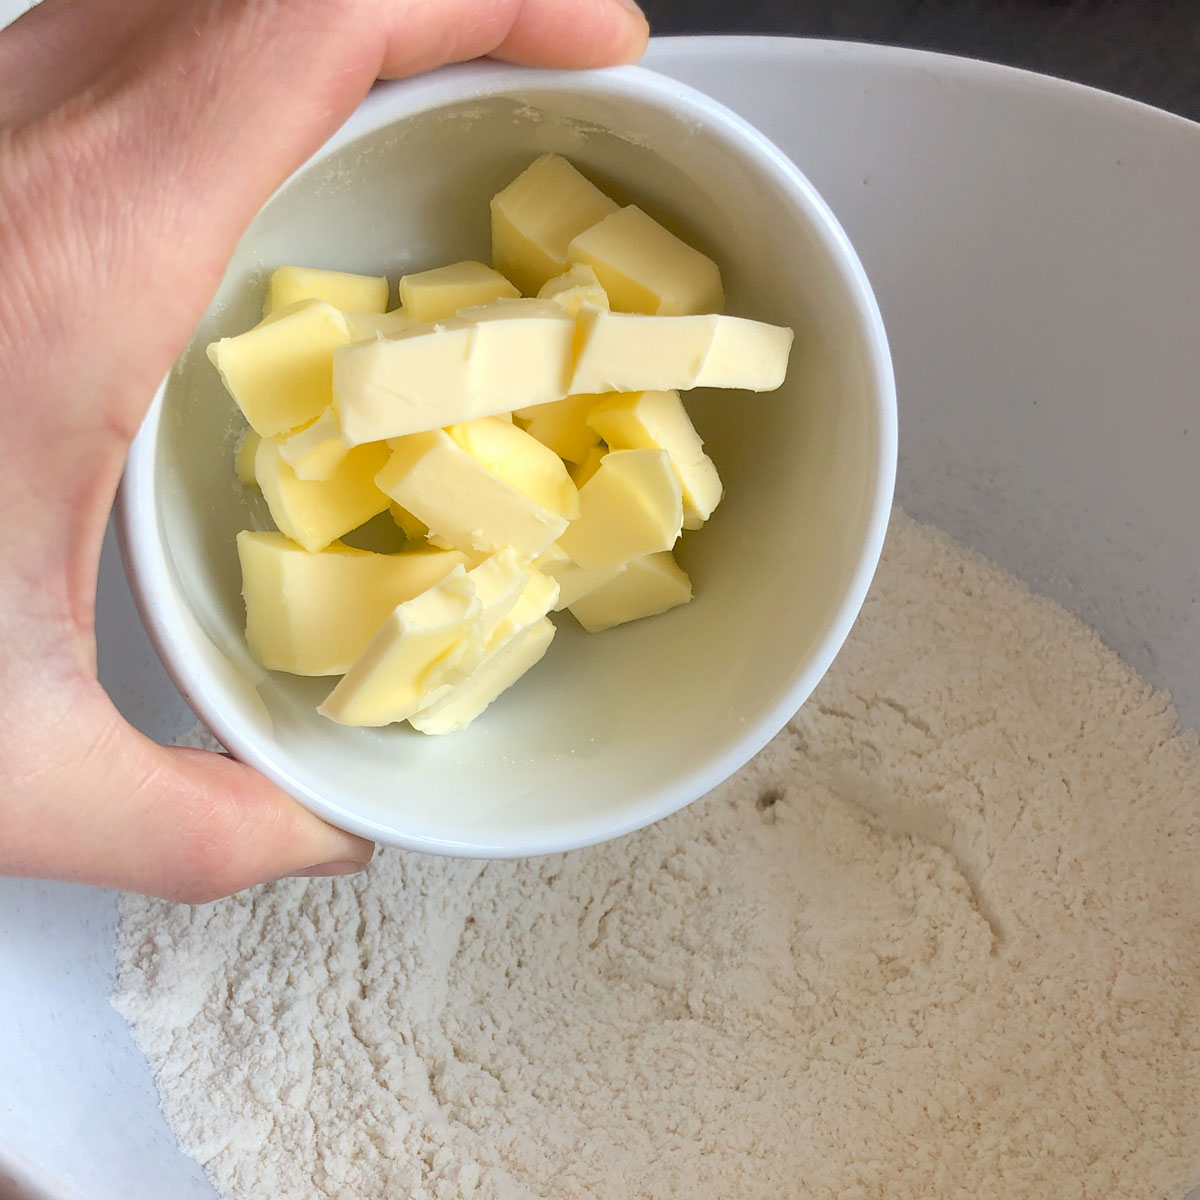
{"x": 1146, "y": 49}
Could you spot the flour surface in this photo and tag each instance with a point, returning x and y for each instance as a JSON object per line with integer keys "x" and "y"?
{"x": 940, "y": 939}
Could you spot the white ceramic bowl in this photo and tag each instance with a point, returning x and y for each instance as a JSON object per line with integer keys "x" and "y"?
{"x": 614, "y": 731}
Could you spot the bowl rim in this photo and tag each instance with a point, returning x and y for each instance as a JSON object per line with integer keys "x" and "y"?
{"x": 148, "y": 569}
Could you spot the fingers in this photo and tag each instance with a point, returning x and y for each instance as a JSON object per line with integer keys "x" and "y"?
{"x": 118, "y": 811}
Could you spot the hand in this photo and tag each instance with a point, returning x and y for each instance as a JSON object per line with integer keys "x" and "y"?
{"x": 137, "y": 140}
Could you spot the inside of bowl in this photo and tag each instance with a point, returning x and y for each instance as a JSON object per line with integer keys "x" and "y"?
{"x": 610, "y": 731}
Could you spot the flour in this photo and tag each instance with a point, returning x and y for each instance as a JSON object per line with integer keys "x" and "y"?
{"x": 939, "y": 939}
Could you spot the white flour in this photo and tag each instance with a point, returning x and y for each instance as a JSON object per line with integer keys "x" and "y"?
{"x": 940, "y": 939}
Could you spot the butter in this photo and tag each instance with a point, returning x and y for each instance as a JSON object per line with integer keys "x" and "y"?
{"x": 316, "y": 450}
{"x": 644, "y": 588}
{"x": 574, "y": 582}
{"x": 350, "y": 293}
{"x": 369, "y": 326}
{"x": 243, "y": 459}
{"x": 435, "y": 295}
{"x": 562, "y": 426}
{"x": 280, "y": 373}
{"x": 410, "y": 526}
{"x": 424, "y": 647}
{"x": 463, "y": 500}
{"x": 658, "y": 421}
{"x": 631, "y": 507}
{"x": 626, "y": 352}
{"x": 486, "y": 361}
{"x": 577, "y": 285}
{"x": 644, "y": 268}
{"x": 499, "y": 581}
{"x": 535, "y": 218}
{"x": 314, "y": 513}
{"x": 581, "y": 472}
{"x": 313, "y": 614}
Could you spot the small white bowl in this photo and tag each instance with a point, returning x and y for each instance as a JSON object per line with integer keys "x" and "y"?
{"x": 613, "y": 731}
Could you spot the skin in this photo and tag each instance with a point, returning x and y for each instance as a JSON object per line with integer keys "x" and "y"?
{"x": 128, "y": 170}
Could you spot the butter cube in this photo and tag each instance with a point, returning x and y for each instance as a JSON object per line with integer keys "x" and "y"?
{"x": 562, "y": 426}
{"x": 581, "y": 472}
{"x": 658, "y": 421}
{"x": 535, "y": 218}
{"x": 424, "y": 647}
{"x": 317, "y": 512}
{"x": 644, "y": 588}
{"x": 243, "y": 459}
{"x": 313, "y": 614}
{"x": 499, "y": 581}
{"x": 435, "y": 295}
{"x": 316, "y": 450}
{"x": 626, "y": 352}
{"x": 280, "y": 373}
{"x": 463, "y": 500}
{"x": 574, "y": 582}
{"x": 495, "y": 675}
{"x": 645, "y": 268}
{"x": 631, "y": 507}
{"x": 576, "y": 286}
{"x": 365, "y": 326}
{"x": 489, "y": 360}
{"x": 413, "y": 529}
{"x": 350, "y": 293}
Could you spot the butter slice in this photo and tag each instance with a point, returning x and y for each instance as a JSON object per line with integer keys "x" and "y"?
{"x": 562, "y": 426}
{"x": 313, "y": 614}
{"x": 574, "y": 582}
{"x": 499, "y": 581}
{"x": 537, "y": 215}
{"x": 644, "y": 268}
{"x": 412, "y": 528}
{"x": 435, "y": 295}
{"x": 631, "y": 507}
{"x": 658, "y": 421}
{"x": 424, "y": 647}
{"x": 487, "y": 361}
{"x": 627, "y": 352}
{"x": 463, "y": 500}
{"x": 315, "y": 451}
{"x": 576, "y": 286}
{"x": 350, "y": 293}
{"x": 370, "y": 326}
{"x": 280, "y": 373}
{"x": 581, "y": 472}
{"x": 243, "y": 459}
{"x": 644, "y": 588}
{"x": 314, "y": 513}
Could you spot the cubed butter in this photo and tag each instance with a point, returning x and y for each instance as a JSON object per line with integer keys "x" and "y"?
{"x": 423, "y": 648}
{"x": 562, "y": 426}
{"x": 535, "y": 218}
{"x": 243, "y": 459}
{"x": 575, "y": 286}
{"x": 581, "y": 472}
{"x": 463, "y": 500}
{"x": 574, "y": 582}
{"x": 313, "y": 614}
{"x": 410, "y": 526}
{"x": 628, "y": 352}
{"x": 658, "y": 421}
{"x": 316, "y": 450}
{"x": 280, "y": 373}
{"x": 318, "y": 511}
{"x": 499, "y": 581}
{"x": 631, "y": 507}
{"x": 644, "y": 588}
{"x": 435, "y": 295}
{"x": 644, "y": 268}
{"x": 370, "y": 326}
{"x": 347, "y": 292}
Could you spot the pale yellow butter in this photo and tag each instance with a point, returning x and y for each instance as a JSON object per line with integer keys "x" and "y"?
{"x": 465, "y": 501}
{"x": 537, "y": 215}
{"x": 658, "y": 421}
{"x": 280, "y": 373}
{"x": 628, "y": 352}
{"x": 644, "y": 268}
{"x": 499, "y": 581}
{"x": 643, "y": 588}
{"x": 412, "y": 528}
{"x": 521, "y": 355}
{"x": 576, "y": 286}
{"x": 631, "y": 507}
{"x": 316, "y": 450}
{"x": 347, "y": 292}
{"x": 562, "y": 426}
{"x": 581, "y": 472}
{"x": 243, "y": 459}
{"x": 435, "y": 295}
{"x": 315, "y": 512}
{"x": 313, "y": 614}
{"x": 574, "y": 582}
{"x": 423, "y": 648}
{"x": 370, "y": 326}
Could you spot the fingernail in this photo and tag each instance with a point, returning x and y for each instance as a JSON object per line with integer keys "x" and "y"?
{"x": 330, "y": 868}
{"x": 633, "y": 7}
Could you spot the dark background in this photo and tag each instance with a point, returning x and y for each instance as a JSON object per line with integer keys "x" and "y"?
{"x": 1147, "y": 49}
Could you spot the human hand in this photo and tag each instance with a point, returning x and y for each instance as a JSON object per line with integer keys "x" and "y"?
{"x": 137, "y": 140}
